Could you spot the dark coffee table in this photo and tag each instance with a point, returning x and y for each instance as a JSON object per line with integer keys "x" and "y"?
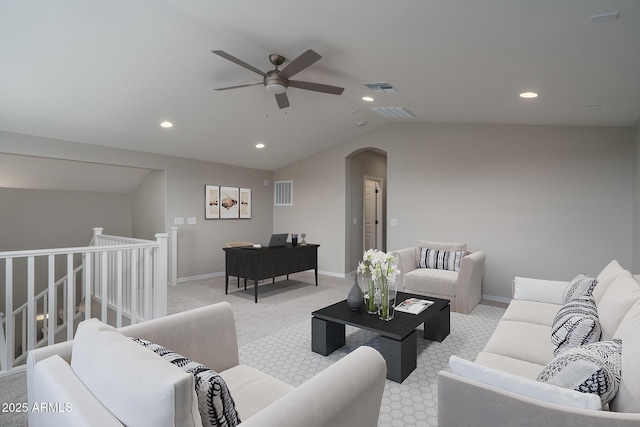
{"x": 398, "y": 337}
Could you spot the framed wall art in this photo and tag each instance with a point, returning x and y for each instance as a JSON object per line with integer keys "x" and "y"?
{"x": 245, "y": 203}
{"x": 211, "y": 202}
{"x": 229, "y": 202}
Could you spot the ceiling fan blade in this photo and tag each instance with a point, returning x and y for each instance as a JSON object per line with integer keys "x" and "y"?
{"x": 231, "y": 58}
{"x": 282, "y": 99}
{"x": 300, "y": 63}
{"x": 317, "y": 87}
{"x": 236, "y": 87}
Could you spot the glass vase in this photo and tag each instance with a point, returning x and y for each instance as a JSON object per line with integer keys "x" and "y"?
{"x": 387, "y": 288}
{"x": 370, "y": 299}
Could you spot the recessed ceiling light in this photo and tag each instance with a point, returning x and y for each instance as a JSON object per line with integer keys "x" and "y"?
{"x": 367, "y": 98}
{"x": 166, "y": 124}
{"x": 528, "y": 95}
{"x": 260, "y": 145}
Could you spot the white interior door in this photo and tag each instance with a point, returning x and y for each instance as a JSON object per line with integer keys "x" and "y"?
{"x": 372, "y": 214}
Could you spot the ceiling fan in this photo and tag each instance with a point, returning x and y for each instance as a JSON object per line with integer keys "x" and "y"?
{"x": 276, "y": 81}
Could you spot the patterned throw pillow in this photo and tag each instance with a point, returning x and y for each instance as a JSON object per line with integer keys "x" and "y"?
{"x": 581, "y": 285}
{"x": 575, "y": 324}
{"x": 215, "y": 404}
{"x": 593, "y": 368}
{"x": 441, "y": 260}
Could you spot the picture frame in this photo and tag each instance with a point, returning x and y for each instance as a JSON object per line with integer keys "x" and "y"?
{"x": 244, "y": 202}
{"x": 229, "y": 208}
{"x": 211, "y": 202}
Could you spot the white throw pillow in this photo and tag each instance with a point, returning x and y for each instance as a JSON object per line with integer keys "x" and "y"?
{"x": 627, "y": 398}
{"x": 616, "y": 302}
{"x": 135, "y": 384}
{"x": 523, "y": 386}
{"x": 549, "y": 291}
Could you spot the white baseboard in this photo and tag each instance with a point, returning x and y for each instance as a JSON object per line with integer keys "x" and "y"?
{"x": 496, "y": 299}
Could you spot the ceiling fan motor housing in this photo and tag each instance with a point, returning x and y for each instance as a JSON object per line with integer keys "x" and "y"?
{"x": 274, "y": 83}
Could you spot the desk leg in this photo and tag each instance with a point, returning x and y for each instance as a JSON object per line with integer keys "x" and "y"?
{"x": 316, "y": 276}
{"x": 226, "y": 283}
{"x": 255, "y": 290}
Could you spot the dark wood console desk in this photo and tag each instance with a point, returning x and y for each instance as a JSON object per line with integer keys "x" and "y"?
{"x": 266, "y": 263}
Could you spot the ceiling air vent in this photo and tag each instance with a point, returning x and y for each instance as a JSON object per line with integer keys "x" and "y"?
{"x": 394, "y": 112}
{"x": 283, "y": 193}
{"x": 381, "y": 87}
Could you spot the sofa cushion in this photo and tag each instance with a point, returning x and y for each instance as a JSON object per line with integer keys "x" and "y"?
{"x": 593, "y": 368}
{"x": 606, "y": 278}
{"x": 523, "y": 386}
{"x": 581, "y": 285}
{"x": 616, "y": 302}
{"x": 252, "y": 389}
{"x": 521, "y": 340}
{"x": 431, "y": 281}
{"x": 509, "y": 365}
{"x": 549, "y": 291}
{"x": 441, "y": 260}
{"x": 575, "y": 324}
{"x": 215, "y": 403}
{"x": 628, "y": 397}
{"x": 539, "y": 313}
{"x": 133, "y": 383}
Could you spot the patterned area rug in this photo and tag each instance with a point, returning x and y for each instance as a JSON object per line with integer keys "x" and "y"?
{"x": 287, "y": 356}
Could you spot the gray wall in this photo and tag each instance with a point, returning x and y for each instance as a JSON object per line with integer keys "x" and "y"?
{"x": 149, "y": 206}
{"x": 636, "y": 199}
{"x": 541, "y": 201}
{"x": 41, "y": 219}
{"x": 199, "y": 246}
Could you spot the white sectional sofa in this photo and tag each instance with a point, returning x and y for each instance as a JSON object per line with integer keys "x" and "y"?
{"x": 74, "y": 382}
{"x": 520, "y": 348}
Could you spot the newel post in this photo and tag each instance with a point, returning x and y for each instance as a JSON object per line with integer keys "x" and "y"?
{"x": 160, "y": 298}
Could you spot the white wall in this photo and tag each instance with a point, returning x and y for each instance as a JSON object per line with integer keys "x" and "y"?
{"x": 636, "y": 199}
{"x": 541, "y": 201}
{"x": 149, "y": 206}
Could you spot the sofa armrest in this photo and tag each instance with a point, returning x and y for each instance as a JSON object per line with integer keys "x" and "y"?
{"x": 406, "y": 263}
{"x": 346, "y": 394}
{"x": 469, "y": 290}
{"x": 206, "y": 335}
{"x": 487, "y": 406}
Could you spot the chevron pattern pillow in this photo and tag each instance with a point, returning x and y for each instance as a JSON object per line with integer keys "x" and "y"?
{"x": 215, "y": 404}
{"x": 575, "y": 324}
{"x": 593, "y": 368}
{"x": 581, "y": 285}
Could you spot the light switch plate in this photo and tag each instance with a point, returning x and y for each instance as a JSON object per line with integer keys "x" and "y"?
{"x": 192, "y": 220}
{"x": 394, "y": 222}
{"x": 178, "y": 221}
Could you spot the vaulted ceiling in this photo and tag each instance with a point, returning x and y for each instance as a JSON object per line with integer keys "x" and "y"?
{"x": 108, "y": 72}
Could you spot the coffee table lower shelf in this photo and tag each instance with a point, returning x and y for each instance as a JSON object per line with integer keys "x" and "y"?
{"x": 398, "y": 337}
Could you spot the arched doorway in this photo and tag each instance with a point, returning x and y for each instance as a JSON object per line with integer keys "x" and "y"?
{"x": 365, "y": 168}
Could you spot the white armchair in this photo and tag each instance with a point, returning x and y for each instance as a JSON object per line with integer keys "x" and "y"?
{"x": 463, "y": 288}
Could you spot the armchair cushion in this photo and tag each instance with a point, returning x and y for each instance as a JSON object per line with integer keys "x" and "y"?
{"x": 431, "y": 281}
{"x": 441, "y": 260}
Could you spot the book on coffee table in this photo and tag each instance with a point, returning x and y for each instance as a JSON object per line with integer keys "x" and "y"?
{"x": 413, "y": 305}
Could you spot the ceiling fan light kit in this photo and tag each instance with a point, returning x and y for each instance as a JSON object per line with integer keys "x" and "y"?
{"x": 277, "y": 81}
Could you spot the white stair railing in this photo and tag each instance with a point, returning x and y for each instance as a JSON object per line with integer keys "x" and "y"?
{"x": 126, "y": 277}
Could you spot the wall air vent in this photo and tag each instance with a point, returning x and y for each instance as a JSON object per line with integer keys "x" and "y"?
{"x": 381, "y": 87}
{"x": 283, "y": 193}
{"x": 394, "y": 112}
